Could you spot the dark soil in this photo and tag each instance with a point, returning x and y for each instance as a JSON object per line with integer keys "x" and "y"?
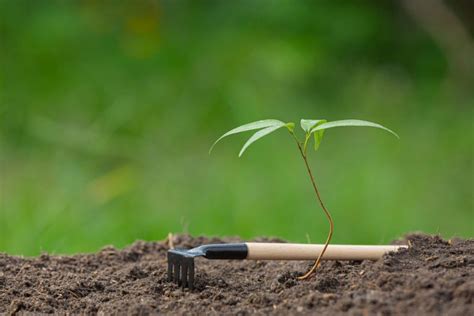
{"x": 432, "y": 277}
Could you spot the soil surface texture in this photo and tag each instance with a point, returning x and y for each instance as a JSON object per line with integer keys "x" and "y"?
{"x": 432, "y": 277}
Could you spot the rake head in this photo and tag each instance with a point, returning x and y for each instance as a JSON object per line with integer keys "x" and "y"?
{"x": 181, "y": 267}
{"x": 181, "y": 261}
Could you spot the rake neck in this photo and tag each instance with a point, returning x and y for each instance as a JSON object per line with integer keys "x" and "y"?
{"x": 223, "y": 251}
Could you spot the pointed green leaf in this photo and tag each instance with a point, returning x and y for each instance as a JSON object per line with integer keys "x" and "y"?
{"x": 307, "y": 125}
{"x": 249, "y": 127}
{"x": 259, "y": 135}
{"x": 342, "y": 123}
{"x": 318, "y": 137}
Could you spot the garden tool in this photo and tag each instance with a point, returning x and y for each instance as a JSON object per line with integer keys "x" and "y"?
{"x": 181, "y": 261}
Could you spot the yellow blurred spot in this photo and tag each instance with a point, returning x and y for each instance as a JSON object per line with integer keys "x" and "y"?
{"x": 114, "y": 183}
{"x": 141, "y": 38}
{"x": 142, "y": 24}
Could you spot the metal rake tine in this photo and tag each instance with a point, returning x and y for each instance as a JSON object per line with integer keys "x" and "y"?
{"x": 176, "y": 268}
{"x": 184, "y": 273}
{"x": 191, "y": 275}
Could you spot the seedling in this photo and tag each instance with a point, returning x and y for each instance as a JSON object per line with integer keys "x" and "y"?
{"x": 313, "y": 129}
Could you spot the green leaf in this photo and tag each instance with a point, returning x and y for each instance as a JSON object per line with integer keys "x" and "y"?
{"x": 307, "y": 125}
{"x": 318, "y": 137}
{"x": 342, "y": 123}
{"x": 259, "y": 135}
{"x": 249, "y": 127}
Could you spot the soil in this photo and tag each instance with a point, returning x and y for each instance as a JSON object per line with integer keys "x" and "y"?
{"x": 432, "y": 277}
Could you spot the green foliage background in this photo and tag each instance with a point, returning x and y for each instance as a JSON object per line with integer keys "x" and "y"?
{"x": 108, "y": 110}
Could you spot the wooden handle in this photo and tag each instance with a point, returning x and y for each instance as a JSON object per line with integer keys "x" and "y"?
{"x": 282, "y": 251}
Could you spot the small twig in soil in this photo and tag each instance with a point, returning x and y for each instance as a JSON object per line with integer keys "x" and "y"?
{"x": 170, "y": 241}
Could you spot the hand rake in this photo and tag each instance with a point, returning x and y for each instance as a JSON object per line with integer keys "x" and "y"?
{"x": 181, "y": 261}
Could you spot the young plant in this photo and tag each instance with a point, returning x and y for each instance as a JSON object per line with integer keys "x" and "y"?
{"x": 313, "y": 129}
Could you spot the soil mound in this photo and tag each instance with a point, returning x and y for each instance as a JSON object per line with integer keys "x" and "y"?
{"x": 432, "y": 277}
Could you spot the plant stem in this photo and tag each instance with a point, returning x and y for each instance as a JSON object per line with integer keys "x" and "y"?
{"x": 328, "y": 215}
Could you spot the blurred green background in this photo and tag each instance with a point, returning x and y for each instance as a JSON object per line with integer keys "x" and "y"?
{"x": 108, "y": 110}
